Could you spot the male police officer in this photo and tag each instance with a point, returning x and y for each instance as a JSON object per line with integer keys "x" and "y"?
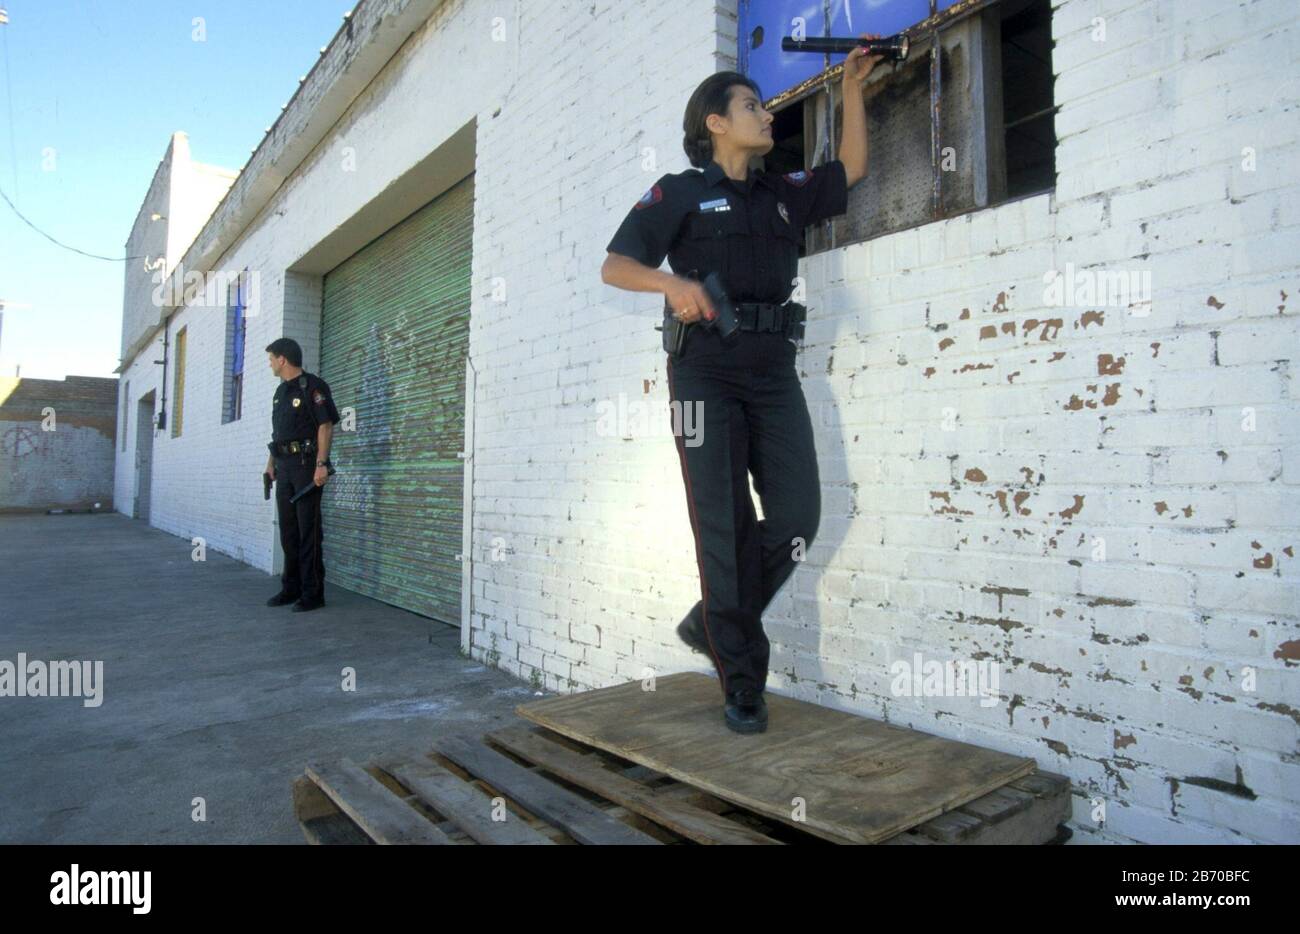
{"x": 724, "y": 217}
{"x": 302, "y": 423}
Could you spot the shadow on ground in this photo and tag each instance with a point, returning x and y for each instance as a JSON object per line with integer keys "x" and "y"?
{"x": 207, "y": 693}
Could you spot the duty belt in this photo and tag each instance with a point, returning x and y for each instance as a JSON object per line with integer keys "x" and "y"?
{"x": 765, "y": 316}
{"x": 305, "y": 446}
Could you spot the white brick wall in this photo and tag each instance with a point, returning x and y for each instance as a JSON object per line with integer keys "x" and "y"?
{"x": 207, "y": 482}
{"x": 978, "y": 445}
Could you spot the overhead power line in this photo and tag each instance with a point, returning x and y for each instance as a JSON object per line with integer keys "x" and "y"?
{"x": 111, "y": 259}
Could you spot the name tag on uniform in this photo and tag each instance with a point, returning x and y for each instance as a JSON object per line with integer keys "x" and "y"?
{"x": 709, "y": 207}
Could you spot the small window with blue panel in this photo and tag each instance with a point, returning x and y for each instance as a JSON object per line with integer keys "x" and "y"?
{"x": 236, "y": 334}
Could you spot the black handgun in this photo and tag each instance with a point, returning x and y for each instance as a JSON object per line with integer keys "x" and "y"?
{"x": 266, "y": 485}
{"x": 724, "y": 320}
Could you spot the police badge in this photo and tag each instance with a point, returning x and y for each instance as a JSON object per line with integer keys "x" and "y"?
{"x": 785, "y": 215}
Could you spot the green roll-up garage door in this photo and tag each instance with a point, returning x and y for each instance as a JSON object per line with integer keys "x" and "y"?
{"x": 394, "y": 336}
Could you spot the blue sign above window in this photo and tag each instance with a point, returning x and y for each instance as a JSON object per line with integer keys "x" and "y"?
{"x": 764, "y": 22}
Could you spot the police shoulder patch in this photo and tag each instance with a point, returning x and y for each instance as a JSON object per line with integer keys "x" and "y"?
{"x": 653, "y": 195}
{"x": 798, "y": 179}
{"x": 317, "y": 397}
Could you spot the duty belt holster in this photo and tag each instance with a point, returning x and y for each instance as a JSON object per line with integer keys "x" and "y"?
{"x": 764, "y": 316}
{"x": 751, "y": 316}
{"x": 282, "y": 448}
{"x": 788, "y": 319}
{"x": 674, "y": 332}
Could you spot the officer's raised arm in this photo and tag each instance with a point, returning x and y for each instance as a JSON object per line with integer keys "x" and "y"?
{"x": 853, "y": 139}
{"x": 822, "y": 192}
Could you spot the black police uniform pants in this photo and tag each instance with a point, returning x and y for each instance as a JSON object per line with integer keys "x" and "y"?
{"x": 750, "y": 416}
{"x": 300, "y": 527}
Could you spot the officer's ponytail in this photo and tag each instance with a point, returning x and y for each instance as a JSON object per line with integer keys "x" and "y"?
{"x": 712, "y": 97}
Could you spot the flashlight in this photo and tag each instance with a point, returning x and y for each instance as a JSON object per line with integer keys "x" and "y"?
{"x": 894, "y": 47}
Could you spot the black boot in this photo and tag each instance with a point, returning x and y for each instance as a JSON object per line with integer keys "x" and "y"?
{"x": 691, "y": 630}
{"x": 746, "y": 711}
{"x": 282, "y": 598}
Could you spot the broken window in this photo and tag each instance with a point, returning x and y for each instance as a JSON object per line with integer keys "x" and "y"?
{"x": 965, "y": 123}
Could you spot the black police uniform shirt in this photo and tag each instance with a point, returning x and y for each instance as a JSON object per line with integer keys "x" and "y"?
{"x": 293, "y": 407}
{"x": 747, "y": 231}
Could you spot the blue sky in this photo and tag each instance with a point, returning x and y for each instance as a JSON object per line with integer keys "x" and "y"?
{"x": 104, "y": 85}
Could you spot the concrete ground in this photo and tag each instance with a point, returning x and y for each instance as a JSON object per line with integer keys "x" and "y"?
{"x": 207, "y": 693}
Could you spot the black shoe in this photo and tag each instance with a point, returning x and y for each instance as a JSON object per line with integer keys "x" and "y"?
{"x": 282, "y": 598}
{"x": 691, "y": 630}
{"x": 746, "y": 711}
{"x": 303, "y": 604}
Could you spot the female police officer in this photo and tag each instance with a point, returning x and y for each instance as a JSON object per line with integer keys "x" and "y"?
{"x": 744, "y": 225}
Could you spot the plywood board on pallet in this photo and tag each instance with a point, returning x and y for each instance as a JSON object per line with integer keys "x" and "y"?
{"x": 843, "y": 777}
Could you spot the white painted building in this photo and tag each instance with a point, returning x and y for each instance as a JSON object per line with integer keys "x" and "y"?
{"x": 1096, "y": 492}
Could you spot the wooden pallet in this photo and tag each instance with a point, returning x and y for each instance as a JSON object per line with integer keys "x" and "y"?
{"x": 855, "y": 779}
{"x": 552, "y": 789}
